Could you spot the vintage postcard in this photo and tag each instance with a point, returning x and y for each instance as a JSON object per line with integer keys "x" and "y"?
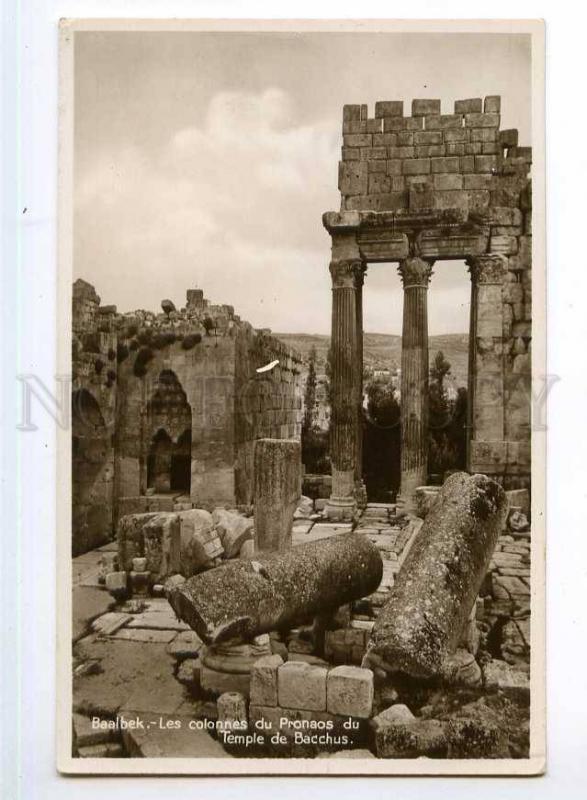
{"x": 301, "y": 499}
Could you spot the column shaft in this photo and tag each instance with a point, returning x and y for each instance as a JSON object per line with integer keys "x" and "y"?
{"x": 415, "y": 274}
{"x": 344, "y": 446}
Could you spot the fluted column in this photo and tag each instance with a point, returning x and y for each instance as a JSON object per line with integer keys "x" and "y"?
{"x": 486, "y": 449}
{"x": 359, "y": 280}
{"x": 415, "y": 274}
{"x": 345, "y": 386}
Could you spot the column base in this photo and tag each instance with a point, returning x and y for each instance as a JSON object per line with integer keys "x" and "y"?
{"x": 410, "y": 481}
{"x": 341, "y": 509}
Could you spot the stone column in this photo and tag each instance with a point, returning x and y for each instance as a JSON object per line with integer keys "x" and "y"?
{"x": 415, "y": 274}
{"x": 359, "y": 280}
{"x": 345, "y": 388}
{"x": 277, "y": 490}
{"x": 486, "y": 451}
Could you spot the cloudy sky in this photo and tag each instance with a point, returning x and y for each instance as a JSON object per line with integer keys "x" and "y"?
{"x": 206, "y": 160}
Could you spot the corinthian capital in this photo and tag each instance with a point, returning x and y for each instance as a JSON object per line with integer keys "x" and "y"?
{"x": 487, "y": 268}
{"x": 347, "y": 274}
{"x": 415, "y": 271}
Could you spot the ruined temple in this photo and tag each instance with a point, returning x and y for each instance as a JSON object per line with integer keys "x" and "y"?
{"x": 166, "y": 408}
{"x": 416, "y": 191}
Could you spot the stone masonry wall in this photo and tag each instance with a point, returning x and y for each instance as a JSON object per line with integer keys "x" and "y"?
{"x": 462, "y": 165}
{"x": 124, "y": 365}
{"x": 268, "y": 404}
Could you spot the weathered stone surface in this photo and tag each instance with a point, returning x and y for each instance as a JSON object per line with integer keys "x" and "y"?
{"x": 350, "y": 691}
{"x": 162, "y": 544}
{"x": 436, "y": 588}
{"x": 499, "y": 674}
{"x": 130, "y": 538}
{"x": 302, "y": 685}
{"x": 264, "y": 680}
{"x": 233, "y": 529}
{"x": 244, "y": 598}
{"x": 200, "y": 544}
{"x": 117, "y": 583}
{"x": 189, "y": 671}
{"x": 278, "y": 484}
{"x": 421, "y": 737}
{"x": 232, "y": 711}
{"x": 461, "y": 669}
{"x": 397, "y": 714}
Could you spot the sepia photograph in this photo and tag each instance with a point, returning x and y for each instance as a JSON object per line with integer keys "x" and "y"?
{"x": 301, "y": 498}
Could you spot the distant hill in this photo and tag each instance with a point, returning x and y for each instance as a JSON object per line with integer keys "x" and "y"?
{"x": 382, "y": 350}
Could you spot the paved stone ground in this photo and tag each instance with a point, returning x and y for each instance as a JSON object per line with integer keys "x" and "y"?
{"x": 128, "y": 657}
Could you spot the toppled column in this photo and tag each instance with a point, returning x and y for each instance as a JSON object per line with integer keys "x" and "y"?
{"x": 437, "y": 585}
{"x": 278, "y": 487}
{"x": 244, "y": 598}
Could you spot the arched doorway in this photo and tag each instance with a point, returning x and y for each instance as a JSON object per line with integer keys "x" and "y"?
{"x": 169, "y": 418}
{"x": 181, "y": 463}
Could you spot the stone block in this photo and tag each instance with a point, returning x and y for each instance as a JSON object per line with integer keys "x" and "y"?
{"x": 423, "y": 108}
{"x": 233, "y": 529}
{"x": 350, "y": 691}
{"x": 162, "y": 544}
{"x": 358, "y": 140}
{"x": 471, "y": 106}
{"x": 232, "y": 712}
{"x": 353, "y": 178}
{"x": 444, "y": 121}
{"x": 117, "y": 583}
{"x": 186, "y": 645}
{"x": 508, "y": 138}
{"x": 428, "y": 137}
{"x": 350, "y": 153}
{"x": 448, "y": 182}
{"x": 302, "y": 685}
{"x": 369, "y": 153}
{"x": 449, "y": 164}
{"x": 421, "y": 737}
{"x": 130, "y": 538}
{"x": 352, "y": 113}
{"x": 488, "y": 120}
{"x": 486, "y": 163}
{"x": 416, "y": 166}
{"x": 389, "y": 108}
{"x": 200, "y": 544}
{"x": 264, "y": 680}
{"x": 492, "y": 104}
{"x": 396, "y": 714}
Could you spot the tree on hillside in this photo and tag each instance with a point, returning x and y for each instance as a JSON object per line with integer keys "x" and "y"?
{"x": 310, "y": 392}
{"x": 314, "y": 441}
{"x": 381, "y": 441}
{"x": 447, "y": 421}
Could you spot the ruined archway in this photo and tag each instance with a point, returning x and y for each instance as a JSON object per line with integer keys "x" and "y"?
{"x": 169, "y": 425}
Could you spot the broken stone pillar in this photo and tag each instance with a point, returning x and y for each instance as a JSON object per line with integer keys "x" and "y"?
{"x": 242, "y": 599}
{"x": 278, "y": 487}
{"x": 434, "y": 592}
{"x": 347, "y": 280}
{"x": 415, "y": 274}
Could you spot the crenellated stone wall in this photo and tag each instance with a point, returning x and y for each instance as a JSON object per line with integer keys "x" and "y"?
{"x": 163, "y": 386}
